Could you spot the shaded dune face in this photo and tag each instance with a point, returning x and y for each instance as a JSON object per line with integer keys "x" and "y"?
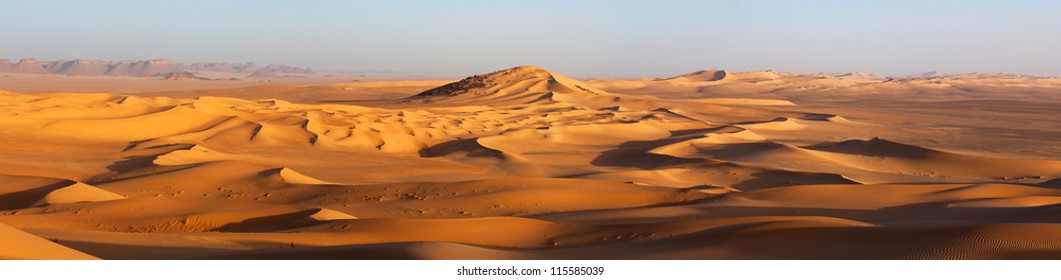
{"x": 521, "y": 163}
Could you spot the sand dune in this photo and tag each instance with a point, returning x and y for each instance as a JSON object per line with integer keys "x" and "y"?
{"x": 525, "y": 163}
{"x": 702, "y": 76}
{"x": 79, "y": 192}
{"x": 519, "y": 85}
{"x": 19, "y": 245}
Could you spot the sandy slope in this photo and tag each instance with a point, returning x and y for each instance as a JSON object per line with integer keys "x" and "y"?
{"x": 19, "y": 245}
{"x": 527, "y": 163}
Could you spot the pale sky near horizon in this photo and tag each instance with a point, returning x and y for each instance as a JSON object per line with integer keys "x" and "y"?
{"x": 581, "y": 39}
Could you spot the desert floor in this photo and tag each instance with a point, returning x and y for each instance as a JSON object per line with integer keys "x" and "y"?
{"x": 525, "y": 163}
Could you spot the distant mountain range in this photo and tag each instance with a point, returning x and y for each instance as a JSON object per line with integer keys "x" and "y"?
{"x": 142, "y": 68}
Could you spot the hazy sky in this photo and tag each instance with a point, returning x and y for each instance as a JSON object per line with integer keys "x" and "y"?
{"x": 577, "y": 38}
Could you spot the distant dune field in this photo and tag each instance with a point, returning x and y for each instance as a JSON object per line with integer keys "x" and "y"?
{"x": 524, "y": 163}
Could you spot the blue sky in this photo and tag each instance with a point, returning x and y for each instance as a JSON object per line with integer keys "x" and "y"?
{"x": 577, "y": 38}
